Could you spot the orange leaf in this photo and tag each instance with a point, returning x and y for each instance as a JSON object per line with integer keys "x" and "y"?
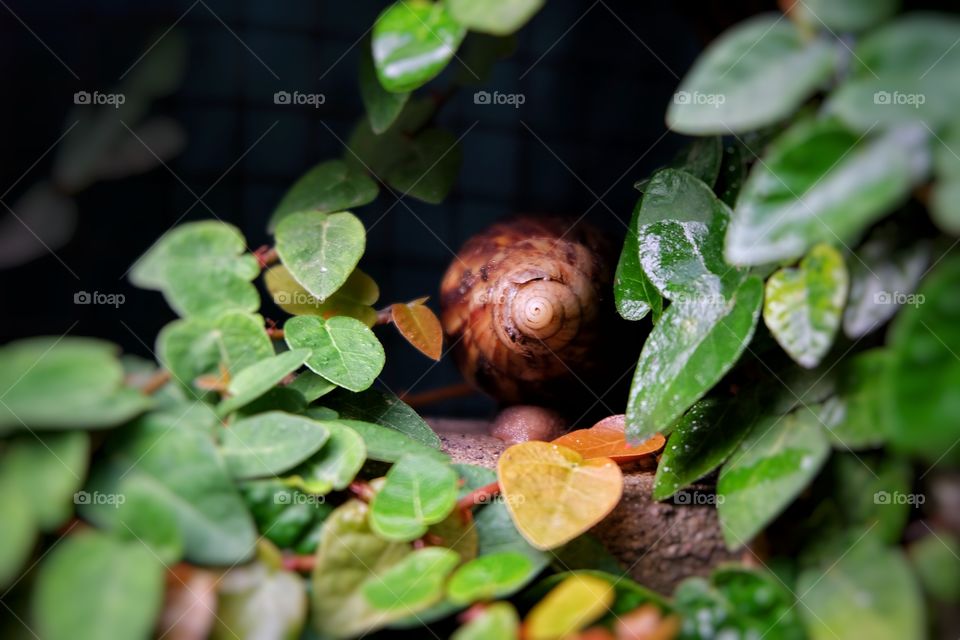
{"x": 418, "y": 324}
{"x": 606, "y": 439}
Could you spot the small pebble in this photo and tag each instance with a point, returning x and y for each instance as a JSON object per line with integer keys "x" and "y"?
{"x": 523, "y": 423}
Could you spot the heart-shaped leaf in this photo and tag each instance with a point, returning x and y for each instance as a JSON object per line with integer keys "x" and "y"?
{"x": 311, "y": 386}
{"x": 419, "y": 325}
{"x": 268, "y": 443}
{"x": 202, "y": 270}
{"x": 330, "y": 186}
{"x": 344, "y": 350}
{"x": 701, "y": 441}
{"x": 569, "y": 607}
{"x": 74, "y": 598}
{"x": 414, "y": 583}
{"x": 384, "y": 409}
{"x": 387, "y": 445}
{"x": 255, "y": 380}
{"x": 695, "y": 343}
{"x": 766, "y": 56}
{"x": 633, "y": 293}
{"x": 771, "y": 467}
{"x": 352, "y": 299}
{"x": 413, "y": 41}
{"x": 419, "y": 491}
{"x": 498, "y": 620}
{"x": 544, "y": 484}
{"x": 335, "y": 465}
{"x": 820, "y": 182}
{"x": 382, "y": 106}
{"x": 489, "y": 577}
{"x": 803, "y": 306}
{"x": 320, "y": 250}
{"x": 607, "y": 439}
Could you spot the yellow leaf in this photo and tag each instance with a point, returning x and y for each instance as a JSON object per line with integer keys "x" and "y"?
{"x": 569, "y": 607}
{"x": 553, "y": 493}
{"x": 352, "y": 299}
{"x": 418, "y": 324}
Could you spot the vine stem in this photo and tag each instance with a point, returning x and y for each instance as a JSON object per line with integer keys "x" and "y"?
{"x": 266, "y": 256}
{"x": 299, "y": 563}
{"x": 384, "y": 316}
{"x": 156, "y": 382}
{"x": 418, "y": 400}
{"x": 480, "y": 495}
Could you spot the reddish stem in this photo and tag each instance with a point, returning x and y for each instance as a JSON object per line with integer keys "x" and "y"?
{"x": 156, "y": 382}
{"x": 361, "y": 490}
{"x": 266, "y": 256}
{"x": 433, "y": 396}
{"x": 480, "y": 495}
{"x": 384, "y": 316}
{"x": 303, "y": 564}
{"x": 274, "y": 333}
{"x": 473, "y": 612}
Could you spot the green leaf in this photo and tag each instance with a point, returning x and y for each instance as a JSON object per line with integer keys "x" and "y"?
{"x": 429, "y": 167}
{"x": 701, "y": 441}
{"x": 412, "y": 42}
{"x": 925, "y": 372}
{"x": 345, "y": 351}
{"x": 202, "y": 270}
{"x": 311, "y": 386}
{"x": 946, "y": 154}
{"x": 936, "y": 561}
{"x": 419, "y": 491}
{"x": 350, "y": 556}
{"x": 381, "y": 105}
{"x": 867, "y": 592}
{"x": 194, "y": 347}
{"x": 883, "y": 276}
{"x": 945, "y": 205}
{"x": 771, "y": 467}
{"x": 701, "y": 158}
{"x": 19, "y": 527}
{"x": 819, "y": 182}
{"x": 269, "y": 443}
{"x": 335, "y": 465}
{"x": 329, "y": 186}
{"x": 377, "y": 153}
{"x": 146, "y": 516}
{"x": 498, "y": 17}
{"x": 353, "y": 299}
{"x": 387, "y": 445}
{"x": 764, "y": 56}
{"x": 733, "y": 171}
{"x": 851, "y": 15}
{"x": 872, "y": 493}
{"x": 320, "y": 249}
{"x": 82, "y": 375}
{"x": 802, "y": 306}
{"x": 414, "y": 583}
{"x": 188, "y": 475}
{"x": 385, "y": 409}
{"x": 498, "y": 621}
{"x": 633, "y": 293}
{"x": 499, "y": 535}
{"x": 490, "y": 577}
{"x": 694, "y": 344}
{"x": 77, "y": 590}
{"x": 50, "y": 469}
{"x": 255, "y": 380}
{"x": 285, "y": 515}
{"x": 856, "y": 417}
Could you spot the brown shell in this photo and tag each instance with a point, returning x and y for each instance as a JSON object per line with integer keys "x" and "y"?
{"x": 524, "y": 305}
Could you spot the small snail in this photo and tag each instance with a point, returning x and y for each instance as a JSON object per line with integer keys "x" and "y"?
{"x": 527, "y": 304}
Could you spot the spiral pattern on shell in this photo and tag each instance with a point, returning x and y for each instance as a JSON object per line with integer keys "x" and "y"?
{"x": 522, "y": 304}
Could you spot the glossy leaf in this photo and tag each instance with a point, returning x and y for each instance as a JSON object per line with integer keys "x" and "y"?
{"x": 384, "y": 409}
{"x": 419, "y": 491}
{"x": 353, "y": 299}
{"x": 606, "y": 439}
{"x": 489, "y": 577}
{"x": 255, "y": 380}
{"x": 195, "y": 347}
{"x": 819, "y": 182}
{"x": 329, "y": 186}
{"x": 420, "y": 326}
{"x": 764, "y": 56}
{"x": 335, "y": 465}
{"x": 269, "y": 443}
{"x": 344, "y": 350}
{"x": 543, "y": 485}
{"x": 412, "y": 42}
{"x": 429, "y": 167}
{"x": 76, "y": 599}
{"x": 414, "y": 583}
{"x": 350, "y": 556}
{"x": 688, "y": 351}
{"x": 869, "y": 591}
{"x": 701, "y": 158}
{"x": 924, "y": 372}
{"x": 883, "y": 276}
{"x": 50, "y": 469}
{"x": 382, "y": 106}
{"x": 387, "y": 445}
{"x": 320, "y": 250}
{"x": 287, "y": 517}
{"x": 202, "y": 270}
{"x": 569, "y": 607}
{"x": 499, "y": 17}
{"x": 189, "y": 477}
{"x": 633, "y": 293}
{"x": 770, "y": 468}
{"x": 701, "y": 441}
{"x": 311, "y": 386}
{"x": 498, "y": 621}
{"x": 802, "y": 306}
{"x": 83, "y": 376}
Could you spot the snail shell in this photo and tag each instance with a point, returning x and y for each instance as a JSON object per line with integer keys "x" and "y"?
{"x": 524, "y": 304}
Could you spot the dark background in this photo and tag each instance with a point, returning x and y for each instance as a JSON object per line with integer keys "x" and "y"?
{"x": 597, "y": 77}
